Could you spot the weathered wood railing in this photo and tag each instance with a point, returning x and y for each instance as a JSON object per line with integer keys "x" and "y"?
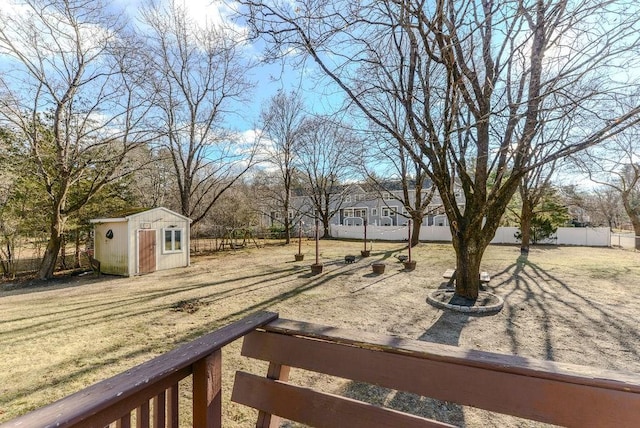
{"x": 150, "y": 390}
{"x": 561, "y": 394}
{"x": 543, "y": 391}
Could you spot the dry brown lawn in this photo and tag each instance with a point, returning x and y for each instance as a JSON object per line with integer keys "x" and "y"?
{"x": 576, "y": 305}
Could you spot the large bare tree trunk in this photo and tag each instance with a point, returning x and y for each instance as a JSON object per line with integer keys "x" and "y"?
{"x": 76, "y": 252}
{"x": 287, "y": 230}
{"x": 469, "y": 251}
{"x": 48, "y": 264}
{"x": 636, "y": 229}
{"x": 326, "y": 227}
{"x": 630, "y": 207}
{"x": 416, "y": 224}
{"x": 526, "y": 216}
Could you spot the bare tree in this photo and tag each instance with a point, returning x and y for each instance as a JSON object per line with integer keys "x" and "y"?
{"x": 9, "y": 219}
{"x": 606, "y": 208}
{"x": 615, "y": 165}
{"x": 282, "y": 120}
{"x": 324, "y": 159}
{"x": 535, "y": 185}
{"x": 72, "y": 90}
{"x": 200, "y": 78}
{"x": 153, "y": 183}
{"x": 473, "y": 78}
{"x": 383, "y": 161}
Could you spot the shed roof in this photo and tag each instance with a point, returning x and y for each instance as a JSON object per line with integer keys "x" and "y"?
{"x": 124, "y": 217}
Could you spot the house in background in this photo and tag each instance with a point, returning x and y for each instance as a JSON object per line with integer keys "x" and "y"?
{"x": 385, "y": 208}
{"x": 354, "y": 203}
{"x": 141, "y": 242}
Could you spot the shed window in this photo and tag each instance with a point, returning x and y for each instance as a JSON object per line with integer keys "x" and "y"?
{"x": 172, "y": 240}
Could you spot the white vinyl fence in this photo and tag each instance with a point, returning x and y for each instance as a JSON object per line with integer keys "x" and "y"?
{"x": 583, "y": 236}
{"x": 624, "y": 240}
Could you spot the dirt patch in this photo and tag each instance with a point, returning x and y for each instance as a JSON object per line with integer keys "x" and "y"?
{"x": 189, "y": 306}
{"x": 576, "y": 305}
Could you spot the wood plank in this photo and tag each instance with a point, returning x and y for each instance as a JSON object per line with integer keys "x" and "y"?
{"x": 207, "y": 391}
{"x": 584, "y": 375}
{"x": 275, "y": 372}
{"x": 449, "y": 273}
{"x": 490, "y": 387}
{"x": 172, "y": 406}
{"x": 142, "y": 415}
{"x": 319, "y": 409}
{"x": 124, "y": 421}
{"x": 106, "y": 401}
{"x": 159, "y": 410}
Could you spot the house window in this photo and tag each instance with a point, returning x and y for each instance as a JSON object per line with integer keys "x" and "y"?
{"x": 290, "y": 215}
{"x": 386, "y": 212}
{"x": 172, "y": 240}
{"x": 386, "y": 196}
{"x": 374, "y": 212}
{"x": 347, "y": 198}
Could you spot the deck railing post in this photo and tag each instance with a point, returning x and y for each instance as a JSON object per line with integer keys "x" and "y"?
{"x": 172, "y": 407}
{"x": 160, "y": 410}
{"x": 275, "y": 372}
{"x": 207, "y": 394}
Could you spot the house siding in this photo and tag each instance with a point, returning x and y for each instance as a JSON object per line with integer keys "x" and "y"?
{"x": 359, "y": 200}
{"x": 112, "y": 253}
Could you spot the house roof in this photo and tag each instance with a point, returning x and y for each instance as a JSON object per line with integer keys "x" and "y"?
{"x": 133, "y": 213}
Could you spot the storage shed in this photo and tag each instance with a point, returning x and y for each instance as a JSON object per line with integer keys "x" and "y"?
{"x": 141, "y": 243}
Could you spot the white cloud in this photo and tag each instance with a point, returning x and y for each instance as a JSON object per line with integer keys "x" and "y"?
{"x": 51, "y": 29}
{"x": 216, "y": 14}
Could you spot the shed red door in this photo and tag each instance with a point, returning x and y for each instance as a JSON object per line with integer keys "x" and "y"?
{"x": 146, "y": 251}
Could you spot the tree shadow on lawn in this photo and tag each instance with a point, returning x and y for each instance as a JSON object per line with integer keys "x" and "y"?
{"x": 312, "y": 282}
{"x": 192, "y": 334}
{"x": 58, "y": 375}
{"x": 90, "y": 312}
{"x": 94, "y": 313}
{"x": 571, "y": 324}
{"x": 384, "y": 255}
{"x": 446, "y": 330}
{"x": 557, "y": 307}
{"x": 59, "y": 282}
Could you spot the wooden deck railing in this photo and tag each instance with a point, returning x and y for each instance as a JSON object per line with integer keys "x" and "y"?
{"x": 545, "y": 391}
{"x": 150, "y": 390}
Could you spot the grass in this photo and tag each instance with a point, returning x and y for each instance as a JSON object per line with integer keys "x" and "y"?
{"x": 58, "y": 338}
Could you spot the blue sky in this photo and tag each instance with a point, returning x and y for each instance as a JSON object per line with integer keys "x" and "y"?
{"x": 269, "y": 78}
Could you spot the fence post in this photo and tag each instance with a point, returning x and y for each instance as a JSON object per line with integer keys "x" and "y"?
{"x": 207, "y": 394}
